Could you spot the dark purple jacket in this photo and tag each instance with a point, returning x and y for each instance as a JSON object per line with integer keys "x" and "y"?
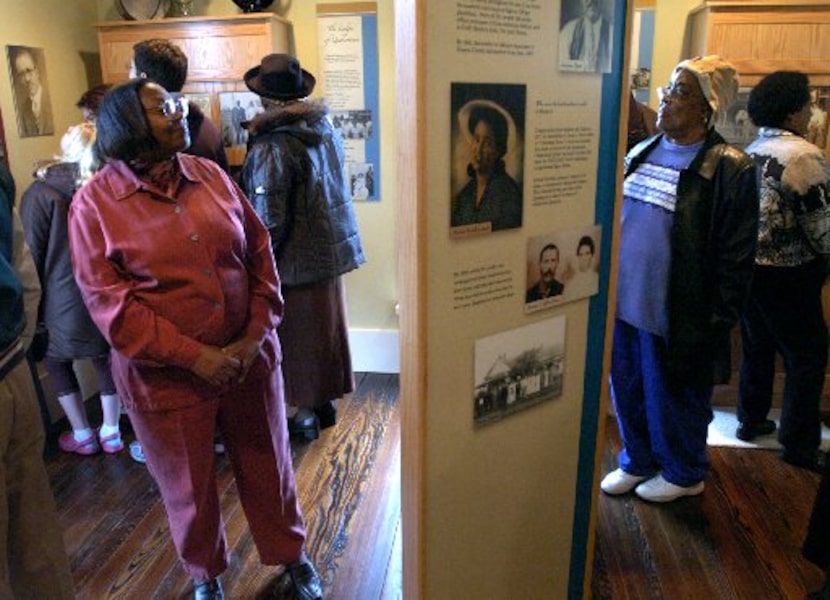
{"x": 205, "y": 140}
{"x": 44, "y": 210}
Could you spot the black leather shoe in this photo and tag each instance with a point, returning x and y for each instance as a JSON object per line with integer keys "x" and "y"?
{"x": 326, "y": 415}
{"x": 304, "y": 425}
{"x": 749, "y": 431}
{"x": 208, "y": 590}
{"x": 299, "y": 581}
{"x": 816, "y": 460}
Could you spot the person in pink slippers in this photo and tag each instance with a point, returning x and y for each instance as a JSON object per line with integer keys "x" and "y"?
{"x": 44, "y": 210}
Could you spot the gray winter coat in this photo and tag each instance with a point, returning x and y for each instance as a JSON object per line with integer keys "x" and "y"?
{"x": 294, "y": 176}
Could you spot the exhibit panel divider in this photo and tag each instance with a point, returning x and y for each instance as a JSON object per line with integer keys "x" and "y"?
{"x": 509, "y": 163}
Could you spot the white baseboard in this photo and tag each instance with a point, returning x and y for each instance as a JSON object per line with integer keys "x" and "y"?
{"x": 375, "y": 350}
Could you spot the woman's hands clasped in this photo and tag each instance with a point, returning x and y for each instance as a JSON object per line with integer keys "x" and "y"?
{"x": 220, "y": 366}
{"x": 216, "y": 367}
{"x": 245, "y": 350}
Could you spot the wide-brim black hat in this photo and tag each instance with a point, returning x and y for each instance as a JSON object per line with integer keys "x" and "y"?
{"x": 280, "y": 77}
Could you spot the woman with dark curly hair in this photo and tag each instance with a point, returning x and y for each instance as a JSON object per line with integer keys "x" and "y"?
{"x": 784, "y": 313}
{"x": 491, "y": 195}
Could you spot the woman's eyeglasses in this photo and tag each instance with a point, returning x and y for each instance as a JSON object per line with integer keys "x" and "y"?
{"x": 174, "y": 106}
{"x": 677, "y": 91}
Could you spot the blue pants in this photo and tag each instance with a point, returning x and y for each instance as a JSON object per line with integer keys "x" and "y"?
{"x": 662, "y": 431}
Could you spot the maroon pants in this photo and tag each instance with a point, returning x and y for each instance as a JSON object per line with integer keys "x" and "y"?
{"x": 178, "y": 445}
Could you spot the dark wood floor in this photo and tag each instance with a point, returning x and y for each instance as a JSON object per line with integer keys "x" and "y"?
{"x": 349, "y": 483}
{"x": 739, "y": 540}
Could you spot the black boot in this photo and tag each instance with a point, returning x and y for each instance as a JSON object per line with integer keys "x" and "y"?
{"x": 299, "y": 582}
{"x": 208, "y": 590}
{"x": 326, "y": 415}
{"x": 304, "y": 425}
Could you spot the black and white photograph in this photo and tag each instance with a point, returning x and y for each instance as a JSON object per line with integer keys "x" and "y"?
{"x": 362, "y": 181}
{"x": 817, "y": 128}
{"x": 585, "y": 36}
{"x": 517, "y": 369}
{"x": 27, "y": 69}
{"x": 237, "y": 109}
{"x": 562, "y": 266}
{"x": 487, "y": 143}
{"x": 735, "y": 125}
{"x": 353, "y": 124}
{"x": 204, "y": 103}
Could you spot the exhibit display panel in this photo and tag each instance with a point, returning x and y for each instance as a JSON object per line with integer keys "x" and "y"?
{"x": 507, "y": 201}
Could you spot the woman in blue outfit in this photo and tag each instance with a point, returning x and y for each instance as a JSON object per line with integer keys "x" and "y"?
{"x": 687, "y": 243}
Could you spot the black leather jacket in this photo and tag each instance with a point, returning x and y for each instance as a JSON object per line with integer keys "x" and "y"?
{"x": 713, "y": 239}
{"x": 294, "y": 176}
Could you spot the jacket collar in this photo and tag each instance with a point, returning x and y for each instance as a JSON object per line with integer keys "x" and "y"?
{"x": 123, "y": 182}
{"x": 703, "y": 164}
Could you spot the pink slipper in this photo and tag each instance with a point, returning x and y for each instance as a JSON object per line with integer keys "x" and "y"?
{"x": 68, "y": 443}
{"x": 112, "y": 443}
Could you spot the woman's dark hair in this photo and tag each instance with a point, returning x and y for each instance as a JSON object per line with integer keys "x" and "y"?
{"x": 497, "y": 122}
{"x": 586, "y": 240}
{"x": 161, "y": 61}
{"x": 91, "y": 99}
{"x": 123, "y": 130}
{"x": 777, "y": 96}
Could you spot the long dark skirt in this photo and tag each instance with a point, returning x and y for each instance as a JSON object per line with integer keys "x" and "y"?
{"x": 317, "y": 363}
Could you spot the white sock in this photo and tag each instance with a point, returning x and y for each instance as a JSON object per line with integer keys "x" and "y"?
{"x": 81, "y": 434}
{"x": 107, "y": 430}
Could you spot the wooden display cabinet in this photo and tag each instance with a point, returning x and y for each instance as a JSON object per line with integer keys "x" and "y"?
{"x": 220, "y": 49}
{"x": 762, "y": 36}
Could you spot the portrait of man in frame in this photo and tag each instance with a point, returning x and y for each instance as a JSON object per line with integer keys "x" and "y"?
{"x": 27, "y": 69}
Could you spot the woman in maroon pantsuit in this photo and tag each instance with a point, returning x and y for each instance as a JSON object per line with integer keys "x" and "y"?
{"x": 177, "y": 272}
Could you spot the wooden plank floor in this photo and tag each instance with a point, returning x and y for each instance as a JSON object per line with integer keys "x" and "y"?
{"x": 739, "y": 540}
{"x": 349, "y": 486}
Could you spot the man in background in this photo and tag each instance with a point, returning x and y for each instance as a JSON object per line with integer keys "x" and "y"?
{"x": 585, "y": 42}
{"x": 547, "y": 286}
{"x": 34, "y": 108}
{"x": 165, "y": 63}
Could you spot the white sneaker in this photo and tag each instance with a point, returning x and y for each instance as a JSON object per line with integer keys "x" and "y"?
{"x": 658, "y": 489}
{"x": 619, "y": 482}
{"x": 137, "y": 452}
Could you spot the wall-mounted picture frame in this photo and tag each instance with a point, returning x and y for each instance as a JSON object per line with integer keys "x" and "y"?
{"x": 27, "y": 70}
{"x": 237, "y": 108}
{"x": 517, "y": 369}
{"x": 203, "y": 101}
{"x": 735, "y": 125}
{"x": 4, "y": 153}
{"x": 817, "y": 129}
{"x": 487, "y": 116}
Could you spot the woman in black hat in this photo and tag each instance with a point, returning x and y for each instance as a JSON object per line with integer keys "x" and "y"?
{"x": 294, "y": 175}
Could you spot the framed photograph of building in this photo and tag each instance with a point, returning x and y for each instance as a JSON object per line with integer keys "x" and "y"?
{"x": 517, "y": 369}
{"x": 27, "y": 69}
